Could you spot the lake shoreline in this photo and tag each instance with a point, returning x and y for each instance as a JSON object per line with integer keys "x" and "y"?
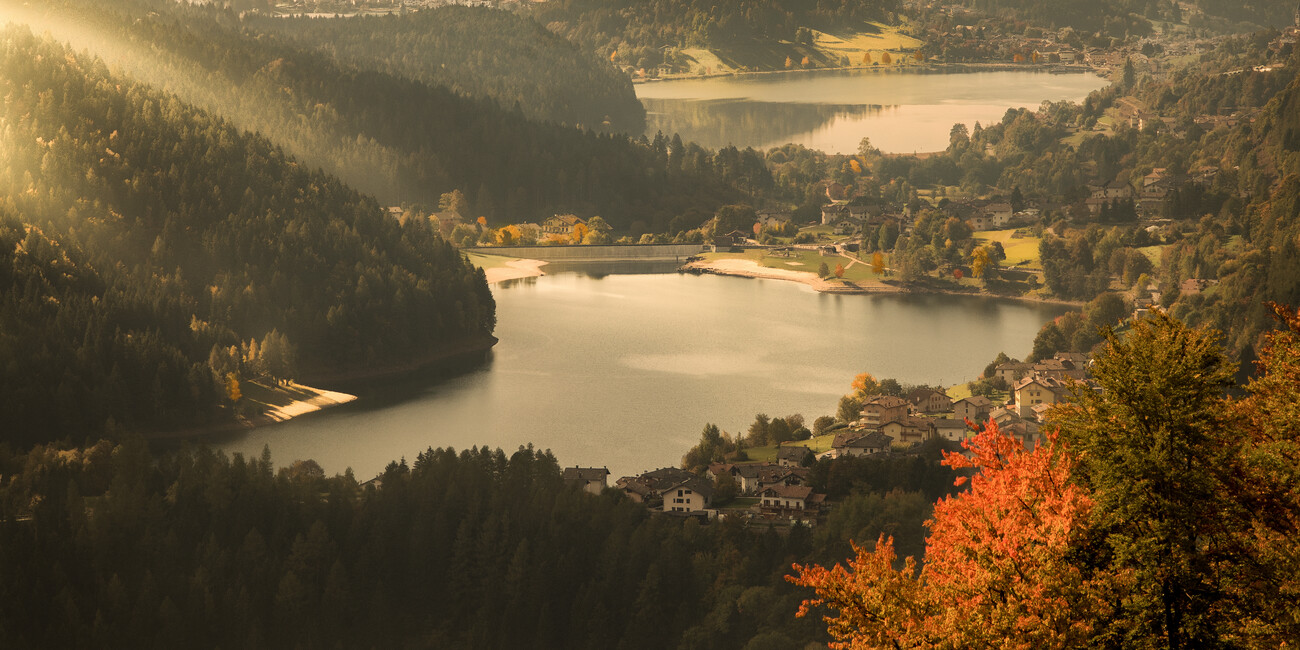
{"x": 751, "y": 269}
{"x": 1054, "y": 68}
{"x": 323, "y": 399}
{"x": 515, "y": 270}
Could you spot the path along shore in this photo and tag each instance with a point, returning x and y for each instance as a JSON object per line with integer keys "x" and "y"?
{"x": 751, "y": 269}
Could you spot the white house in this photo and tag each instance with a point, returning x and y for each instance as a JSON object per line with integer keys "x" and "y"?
{"x": 691, "y": 495}
{"x": 789, "y": 497}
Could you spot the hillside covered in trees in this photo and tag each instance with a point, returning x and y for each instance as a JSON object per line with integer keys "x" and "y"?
{"x": 480, "y": 52}
{"x": 635, "y": 32}
{"x": 153, "y": 255}
{"x": 401, "y": 140}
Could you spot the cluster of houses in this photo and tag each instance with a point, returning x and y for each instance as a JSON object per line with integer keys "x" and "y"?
{"x": 1154, "y": 188}
{"x": 781, "y": 488}
{"x": 889, "y": 422}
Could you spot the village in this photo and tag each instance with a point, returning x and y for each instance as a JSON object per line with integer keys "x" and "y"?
{"x": 778, "y": 492}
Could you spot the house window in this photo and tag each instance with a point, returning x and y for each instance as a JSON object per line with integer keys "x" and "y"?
{"x": 679, "y": 493}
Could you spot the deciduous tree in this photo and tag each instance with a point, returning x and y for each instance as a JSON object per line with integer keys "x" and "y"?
{"x": 996, "y": 574}
{"x": 1157, "y": 452}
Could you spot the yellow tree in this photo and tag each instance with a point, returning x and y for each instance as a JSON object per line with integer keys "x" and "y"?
{"x": 804, "y": 62}
{"x": 509, "y": 235}
{"x": 789, "y": 63}
{"x": 580, "y": 231}
{"x": 866, "y": 58}
{"x": 864, "y": 384}
{"x": 918, "y": 55}
{"x": 979, "y": 262}
{"x": 878, "y": 263}
{"x": 885, "y": 58}
{"x": 232, "y": 387}
{"x": 839, "y": 270}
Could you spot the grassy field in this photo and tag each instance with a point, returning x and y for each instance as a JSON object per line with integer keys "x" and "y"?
{"x": 853, "y": 44}
{"x": 488, "y": 261}
{"x": 767, "y": 454}
{"x": 706, "y": 61}
{"x": 828, "y": 49}
{"x": 741, "y": 503}
{"x": 1022, "y": 252}
{"x": 1153, "y": 253}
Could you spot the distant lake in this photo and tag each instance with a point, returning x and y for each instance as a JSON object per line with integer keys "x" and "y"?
{"x": 901, "y": 110}
{"x": 625, "y": 370}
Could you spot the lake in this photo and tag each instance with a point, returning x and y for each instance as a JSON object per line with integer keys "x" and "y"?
{"x": 624, "y": 370}
{"x": 900, "y": 110}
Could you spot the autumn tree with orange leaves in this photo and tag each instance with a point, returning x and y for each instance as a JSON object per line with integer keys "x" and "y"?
{"x": 1162, "y": 515}
{"x": 996, "y": 569}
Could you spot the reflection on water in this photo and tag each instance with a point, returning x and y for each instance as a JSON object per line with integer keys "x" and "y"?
{"x": 624, "y": 370}
{"x": 716, "y": 123}
{"x": 599, "y": 270}
{"x": 899, "y": 110}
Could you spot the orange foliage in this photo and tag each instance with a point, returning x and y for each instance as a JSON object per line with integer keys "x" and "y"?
{"x": 580, "y": 232}
{"x": 839, "y": 270}
{"x": 864, "y": 384}
{"x": 855, "y": 166}
{"x": 877, "y": 263}
{"x": 996, "y": 573}
{"x": 866, "y": 58}
{"x": 885, "y": 58}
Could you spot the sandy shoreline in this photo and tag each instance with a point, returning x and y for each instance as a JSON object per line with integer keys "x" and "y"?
{"x": 321, "y": 399}
{"x": 750, "y": 269}
{"x": 514, "y": 270}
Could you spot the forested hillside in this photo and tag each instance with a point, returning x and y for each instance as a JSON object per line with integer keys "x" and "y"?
{"x": 635, "y": 31}
{"x": 154, "y": 255}
{"x": 404, "y": 141}
{"x": 480, "y": 52}
{"x": 1119, "y": 18}
{"x": 109, "y": 547}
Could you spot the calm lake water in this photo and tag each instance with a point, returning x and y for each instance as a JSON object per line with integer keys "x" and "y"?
{"x": 625, "y": 370}
{"x": 902, "y": 111}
